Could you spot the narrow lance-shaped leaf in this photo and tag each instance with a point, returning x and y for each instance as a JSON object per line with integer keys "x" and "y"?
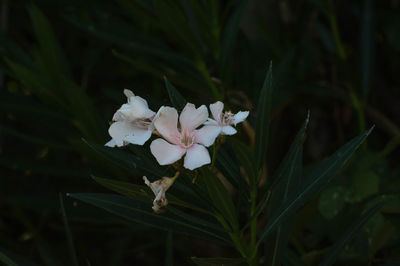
{"x": 314, "y": 183}
{"x": 141, "y": 212}
{"x": 334, "y": 251}
{"x": 127, "y": 160}
{"x": 219, "y": 196}
{"x": 176, "y": 98}
{"x": 288, "y": 177}
{"x": 229, "y": 38}
{"x": 142, "y": 193}
{"x": 217, "y": 261}
{"x": 68, "y": 234}
{"x": 263, "y": 118}
{"x": 367, "y": 46}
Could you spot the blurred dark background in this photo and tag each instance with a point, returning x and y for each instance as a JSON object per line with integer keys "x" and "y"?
{"x": 64, "y": 65}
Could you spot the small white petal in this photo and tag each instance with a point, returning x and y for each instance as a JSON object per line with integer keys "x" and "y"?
{"x": 138, "y": 108}
{"x": 139, "y": 137}
{"x": 165, "y": 152}
{"x": 207, "y": 135}
{"x": 119, "y": 131}
{"x": 211, "y": 122}
{"x": 240, "y": 117}
{"x": 191, "y": 118}
{"x": 216, "y": 110}
{"x": 111, "y": 143}
{"x": 228, "y": 130}
{"x": 166, "y": 123}
{"x": 196, "y": 156}
{"x": 128, "y": 94}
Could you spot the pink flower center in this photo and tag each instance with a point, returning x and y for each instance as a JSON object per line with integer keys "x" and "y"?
{"x": 187, "y": 139}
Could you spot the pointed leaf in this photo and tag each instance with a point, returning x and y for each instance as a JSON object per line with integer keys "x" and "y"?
{"x": 140, "y": 212}
{"x": 68, "y": 234}
{"x": 176, "y": 98}
{"x": 334, "y": 251}
{"x": 137, "y": 163}
{"x": 314, "y": 183}
{"x": 288, "y": 177}
{"x": 263, "y": 118}
{"x": 217, "y": 261}
{"x": 219, "y": 195}
{"x": 142, "y": 193}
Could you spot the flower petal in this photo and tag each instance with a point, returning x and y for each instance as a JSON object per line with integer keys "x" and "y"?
{"x": 211, "y": 122}
{"x": 240, "y": 117}
{"x": 139, "y": 108}
{"x": 207, "y": 135}
{"x": 191, "y": 118}
{"x": 111, "y": 143}
{"x": 128, "y": 94}
{"x": 119, "y": 131}
{"x": 165, "y": 152}
{"x": 140, "y": 136}
{"x": 196, "y": 156}
{"x": 216, "y": 110}
{"x": 166, "y": 123}
{"x": 228, "y": 130}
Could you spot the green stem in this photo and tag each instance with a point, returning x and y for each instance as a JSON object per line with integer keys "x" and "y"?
{"x": 214, "y": 156}
{"x": 203, "y": 69}
{"x": 336, "y": 35}
{"x": 253, "y": 225}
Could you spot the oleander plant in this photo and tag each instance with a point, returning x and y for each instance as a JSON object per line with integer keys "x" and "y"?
{"x": 199, "y": 132}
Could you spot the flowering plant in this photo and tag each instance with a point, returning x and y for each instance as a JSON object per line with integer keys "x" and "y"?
{"x": 227, "y": 197}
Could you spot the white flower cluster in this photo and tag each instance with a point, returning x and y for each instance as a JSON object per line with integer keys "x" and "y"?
{"x": 134, "y": 123}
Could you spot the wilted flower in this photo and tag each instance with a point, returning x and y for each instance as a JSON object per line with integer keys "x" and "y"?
{"x": 132, "y": 122}
{"x": 187, "y": 139}
{"x": 159, "y": 187}
{"x": 225, "y": 120}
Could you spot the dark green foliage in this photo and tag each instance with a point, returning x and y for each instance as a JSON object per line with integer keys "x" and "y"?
{"x": 64, "y": 65}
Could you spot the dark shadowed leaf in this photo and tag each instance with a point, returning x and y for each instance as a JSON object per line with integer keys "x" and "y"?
{"x": 141, "y": 212}
{"x": 68, "y": 234}
{"x": 176, "y": 98}
{"x": 263, "y": 118}
{"x": 314, "y": 183}
{"x": 334, "y": 251}
{"x": 288, "y": 177}
{"x": 219, "y": 195}
{"x": 218, "y": 261}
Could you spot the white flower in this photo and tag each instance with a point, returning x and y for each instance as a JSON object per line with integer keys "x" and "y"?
{"x": 132, "y": 122}
{"x": 159, "y": 187}
{"x": 187, "y": 139}
{"x": 224, "y": 121}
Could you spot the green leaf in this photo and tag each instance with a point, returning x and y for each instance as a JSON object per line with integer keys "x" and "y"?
{"x": 288, "y": 177}
{"x": 314, "y": 183}
{"x": 142, "y": 193}
{"x": 263, "y": 119}
{"x": 365, "y": 184}
{"x": 332, "y": 201}
{"x": 169, "y": 249}
{"x": 137, "y": 163}
{"x": 229, "y": 38}
{"x": 50, "y": 50}
{"x": 141, "y": 212}
{"x": 217, "y": 261}
{"x": 219, "y": 195}
{"x": 5, "y": 259}
{"x": 334, "y": 251}
{"x": 367, "y": 46}
{"x": 246, "y": 159}
{"x": 68, "y": 234}
{"x": 11, "y": 259}
{"x": 176, "y": 98}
